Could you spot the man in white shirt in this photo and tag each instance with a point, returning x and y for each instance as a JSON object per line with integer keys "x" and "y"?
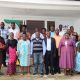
{"x": 3, "y": 31}
{"x": 50, "y": 54}
{"x": 61, "y": 32}
{"x": 14, "y": 30}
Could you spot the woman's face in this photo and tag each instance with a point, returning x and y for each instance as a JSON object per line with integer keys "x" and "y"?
{"x": 24, "y": 36}
{"x": 11, "y": 35}
{"x": 67, "y": 36}
{"x": 79, "y": 38}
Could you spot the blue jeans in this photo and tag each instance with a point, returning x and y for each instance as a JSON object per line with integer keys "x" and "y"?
{"x": 38, "y": 63}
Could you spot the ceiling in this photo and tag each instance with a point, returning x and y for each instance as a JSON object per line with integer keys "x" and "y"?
{"x": 36, "y": 9}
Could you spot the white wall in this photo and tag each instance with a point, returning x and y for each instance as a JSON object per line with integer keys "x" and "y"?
{"x": 58, "y": 20}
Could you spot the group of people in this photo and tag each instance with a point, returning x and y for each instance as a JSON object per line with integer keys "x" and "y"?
{"x": 52, "y": 50}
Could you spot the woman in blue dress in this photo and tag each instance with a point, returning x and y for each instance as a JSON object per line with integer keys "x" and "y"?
{"x": 23, "y": 49}
{"x": 77, "y": 65}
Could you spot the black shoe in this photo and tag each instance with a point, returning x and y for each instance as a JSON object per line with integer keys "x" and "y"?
{"x": 5, "y": 65}
{"x": 46, "y": 73}
{"x": 42, "y": 74}
{"x": 52, "y": 73}
{"x": 55, "y": 72}
{"x": 59, "y": 72}
{"x": 34, "y": 73}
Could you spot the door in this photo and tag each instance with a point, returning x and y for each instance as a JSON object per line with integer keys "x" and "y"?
{"x": 50, "y": 23}
{"x": 32, "y": 24}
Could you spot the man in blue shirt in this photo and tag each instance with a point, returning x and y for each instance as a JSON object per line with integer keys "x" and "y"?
{"x": 4, "y": 34}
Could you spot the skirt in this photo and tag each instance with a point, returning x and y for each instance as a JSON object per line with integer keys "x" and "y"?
{"x": 77, "y": 60}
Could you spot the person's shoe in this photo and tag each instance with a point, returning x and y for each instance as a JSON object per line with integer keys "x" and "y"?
{"x": 52, "y": 73}
{"x": 59, "y": 72}
{"x": 42, "y": 74}
{"x": 34, "y": 73}
{"x": 5, "y": 65}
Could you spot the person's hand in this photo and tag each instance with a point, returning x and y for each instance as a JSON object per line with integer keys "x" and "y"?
{"x": 17, "y": 53}
{"x": 59, "y": 54}
{"x": 31, "y": 55}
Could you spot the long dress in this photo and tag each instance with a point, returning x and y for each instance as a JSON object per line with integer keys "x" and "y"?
{"x": 23, "y": 49}
{"x": 77, "y": 60}
{"x": 12, "y": 44}
{"x": 67, "y": 52}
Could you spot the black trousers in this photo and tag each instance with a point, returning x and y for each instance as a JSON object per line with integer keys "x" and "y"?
{"x": 49, "y": 63}
{"x": 56, "y": 63}
{"x": 4, "y": 57}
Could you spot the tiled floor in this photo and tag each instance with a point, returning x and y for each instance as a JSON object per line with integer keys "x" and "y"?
{"x": 38, "y": 77}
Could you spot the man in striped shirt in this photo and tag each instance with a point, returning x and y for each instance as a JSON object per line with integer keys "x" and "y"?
{"x": 38, "y": 50}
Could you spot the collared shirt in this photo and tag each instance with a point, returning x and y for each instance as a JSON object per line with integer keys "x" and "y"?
{"x": 34, "y": 36}
{"x": 43, "y": 45}
{"x": 52, "y": 34}
{"x": 57, "y": 39}
{"x": 48, "y": 44}
{"x": 15, "y": 31}
{"x": 4, "y": 33}
{"x": 62, "y": 33}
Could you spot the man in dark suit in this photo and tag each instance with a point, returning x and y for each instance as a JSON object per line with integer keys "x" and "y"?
{"x": 50, "y": 54}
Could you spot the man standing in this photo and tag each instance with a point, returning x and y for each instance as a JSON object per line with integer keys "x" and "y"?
{"x": 38, "y": 50}
{"x": 4, "y": 34}
{"x": 50, "y": 54}
{"x": 57, "y": 38}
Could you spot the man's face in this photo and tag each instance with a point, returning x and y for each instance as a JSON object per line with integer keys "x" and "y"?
{"x": 60, "y": 27}
{"x": 13, "y": 26}
{"x": 48, "y": 34}
{"x": 57, "y": 31}
{"x": 52, "y": 28}
{"x": 2, "y": 24}
{"x": 37, "y": 35}
{"x": 72, "y": 29}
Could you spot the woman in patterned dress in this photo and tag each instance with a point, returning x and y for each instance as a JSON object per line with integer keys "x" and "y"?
{"x": 77, "y": 66}
{"x": 23, "y": 49}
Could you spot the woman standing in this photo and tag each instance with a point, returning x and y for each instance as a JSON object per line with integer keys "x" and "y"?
{"x": 23, "y": 49}
{"x": 11, "y": 46}
{"x": 66, "y": 52}
{"x": 77, "y": 66}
